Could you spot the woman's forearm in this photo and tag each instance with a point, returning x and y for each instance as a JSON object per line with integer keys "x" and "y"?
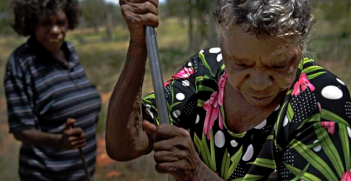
{"x": 206, "y": 174}
{"x": 125, "y": 139}
{"x": 38, "y": 138}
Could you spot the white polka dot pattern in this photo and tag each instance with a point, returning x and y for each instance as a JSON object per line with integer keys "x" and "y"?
{"x": 215, "y": 50}
{"x": 197, "y": 119}
{"x": 219, "y": 139}
{"x": 332, "y": 92}
{"x": 219, "y": 57}
{"x": 318, "y": 147}
{"x": 261, "y": 125}
{"x": 176, "y": 113}
{"x": 286, "y": 121}
{"x": 185, "y": 83}
{"x": 249, "y": 153}
{"x": 180, "y": 96}
{"x": 340, "y": 81}
{"x": 234, "y": 143}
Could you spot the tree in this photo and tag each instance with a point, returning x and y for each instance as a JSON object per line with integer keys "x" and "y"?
{"x": 338, "y": 13}
{"x": 5, "y": 17}
{"x": 97, "y": 13}
{"x": 200, "y": 26}
{"x": 93, "y": 12}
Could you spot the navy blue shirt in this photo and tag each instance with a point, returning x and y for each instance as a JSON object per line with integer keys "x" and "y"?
{"x": 42, "y": 93}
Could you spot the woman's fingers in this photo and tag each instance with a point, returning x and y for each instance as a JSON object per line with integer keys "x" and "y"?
{"x": 178, "y": 168}
{"x": 149, "y": 127}
{"x": 75, "y": 138}
{"x": 78, "y": 146}
{"x": 139, "y": 17}
{"x": 138, "y": 14}
{"x": 78, "y": 142}
{"x": 170, "y": 156}
{"x": 167, "y": 132}
{"x": 154, "y": 2}
{"x": 69, "y": 123}
{"x": 74, "y": 132}
{"x": 141, "y": 8}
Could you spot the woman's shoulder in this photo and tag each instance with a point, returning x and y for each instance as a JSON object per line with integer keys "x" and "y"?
{"x": 20, "y": 58}
{"x": 329, "y": 91}
{"x": 327, "y": 85}
{"x": 208, "y": 62}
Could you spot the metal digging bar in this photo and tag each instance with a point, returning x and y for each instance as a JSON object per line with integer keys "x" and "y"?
{"x": 157, "y": 79}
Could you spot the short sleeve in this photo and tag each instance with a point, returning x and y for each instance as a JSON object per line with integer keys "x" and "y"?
{"x": 180, "y": 93}
{"x": 317, "y": 127}
{"x": 19, "y": 108}
{"x": 320, "y": 152}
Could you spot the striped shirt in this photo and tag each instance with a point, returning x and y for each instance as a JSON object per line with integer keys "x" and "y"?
{"x": 42, "y": 93}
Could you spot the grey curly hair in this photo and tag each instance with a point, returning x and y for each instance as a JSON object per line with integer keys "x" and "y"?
{"x": 264, "y": 18}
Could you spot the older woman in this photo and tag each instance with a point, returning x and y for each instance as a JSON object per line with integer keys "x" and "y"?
{"x": 52, "y": 107}
{"x": 253, "y": 108}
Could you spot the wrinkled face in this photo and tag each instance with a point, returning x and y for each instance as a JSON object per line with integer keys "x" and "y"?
{"x": 51, "y": 30}
{"x": 260, "y": 69}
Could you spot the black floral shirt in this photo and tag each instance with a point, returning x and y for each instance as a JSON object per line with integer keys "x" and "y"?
{"x": 307, "y": 136}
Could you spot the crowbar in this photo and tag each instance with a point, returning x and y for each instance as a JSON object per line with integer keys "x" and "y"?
{"x": 157, "y": 79}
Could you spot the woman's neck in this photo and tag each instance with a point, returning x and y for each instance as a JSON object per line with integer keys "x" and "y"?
{"x": 240, "y": 115}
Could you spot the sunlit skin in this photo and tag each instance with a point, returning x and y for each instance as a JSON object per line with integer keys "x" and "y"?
{"x": 260, "y": 70}
{"x": 51, "y": 31}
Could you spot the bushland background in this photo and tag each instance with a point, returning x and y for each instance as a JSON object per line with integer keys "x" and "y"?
{"x": 101, "y": 42}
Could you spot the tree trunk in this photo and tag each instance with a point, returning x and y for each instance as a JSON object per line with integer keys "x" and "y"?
{"x": 109, "y": 27}
{"x": 190, "y": 26}
{"x": 213, "y": 36}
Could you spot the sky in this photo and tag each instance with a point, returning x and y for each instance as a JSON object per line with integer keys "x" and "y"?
{"x": 116, "y": 1}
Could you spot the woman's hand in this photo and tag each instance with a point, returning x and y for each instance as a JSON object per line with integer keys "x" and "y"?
{"x": 138, "y": 14}
{"x": 72, "y": 138}
{"x": 174, "y": 152}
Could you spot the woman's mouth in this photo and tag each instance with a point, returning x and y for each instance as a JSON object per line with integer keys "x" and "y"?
{"x": 54, "y": 40}
{"x": 261, "y": 100}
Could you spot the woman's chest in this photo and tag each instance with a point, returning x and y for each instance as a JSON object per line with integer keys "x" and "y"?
{"x": 62, "y": 93}
{"x": 231, "y": 154}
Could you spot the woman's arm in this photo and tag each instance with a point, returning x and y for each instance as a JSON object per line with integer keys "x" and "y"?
{"x": 125, "y": 139}
{"x": 71, "y": 138}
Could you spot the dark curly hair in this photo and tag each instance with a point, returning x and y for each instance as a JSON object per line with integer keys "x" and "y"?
{"x": 26, "y": 13}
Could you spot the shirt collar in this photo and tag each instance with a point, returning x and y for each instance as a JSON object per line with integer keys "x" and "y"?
{"x": 44, "y": 56}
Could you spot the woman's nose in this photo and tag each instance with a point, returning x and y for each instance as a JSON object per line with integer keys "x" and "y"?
{"x": 55, "y": 29}
{"x": 259, "y": 80}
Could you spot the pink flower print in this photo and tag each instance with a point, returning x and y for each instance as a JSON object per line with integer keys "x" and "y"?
{"x": 221, "y": 84}
{"x": 182, "y": 74}
{"x": 212, "y": 107}
{"x": 330, "y": 126}
{"x": 213, "y": 112}
{"x": 319, "y": 107}
{"x": 301, "y": 85}
{"x": 346, "y": 176}
{"x": 166, "y": 83}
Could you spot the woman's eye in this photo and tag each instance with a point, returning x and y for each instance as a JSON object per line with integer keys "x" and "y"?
{"x": 61, "y": 23}
{"x": 241, "y": 65}
{"x": 279, "y": 67}
{"x": 45, "y": 24}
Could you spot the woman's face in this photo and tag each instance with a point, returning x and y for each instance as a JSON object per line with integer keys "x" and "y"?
{"x": 259, "y": 69}
{"x": 51, "y": 30}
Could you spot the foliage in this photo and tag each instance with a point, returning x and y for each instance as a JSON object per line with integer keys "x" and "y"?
{"x": 5, "y": 17}
{"x": 201, "y": 29}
